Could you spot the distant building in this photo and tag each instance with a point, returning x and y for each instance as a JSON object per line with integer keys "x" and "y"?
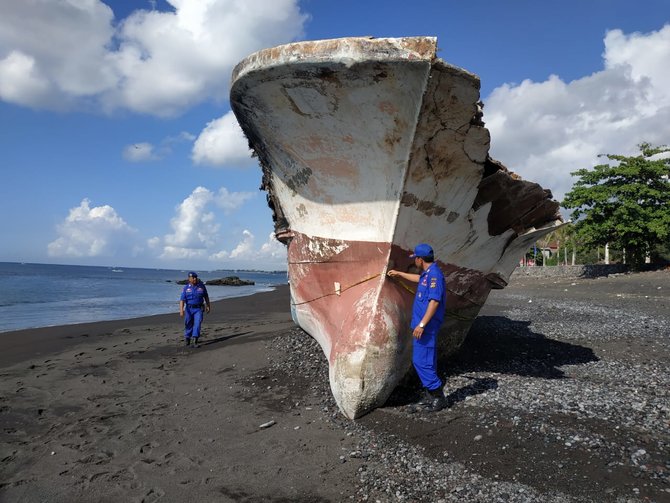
{"x": 550, "y": 250}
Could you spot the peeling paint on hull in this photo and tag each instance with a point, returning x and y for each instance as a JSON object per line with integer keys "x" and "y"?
{"x": 369, "y": 146}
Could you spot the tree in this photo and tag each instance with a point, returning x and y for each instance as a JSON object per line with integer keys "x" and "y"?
{"x": 564, "y": 238}
{"x": 625, "y": 204}
{"x": 567, "y": 242}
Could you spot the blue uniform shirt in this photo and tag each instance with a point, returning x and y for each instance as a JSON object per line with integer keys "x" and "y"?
{"x": 194, "y": 294}
{"x": 431, "y": 287}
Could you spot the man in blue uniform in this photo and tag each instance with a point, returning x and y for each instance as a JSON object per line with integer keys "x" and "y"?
{"x": 427, "y": 316}
{"x": 194, "y": 298}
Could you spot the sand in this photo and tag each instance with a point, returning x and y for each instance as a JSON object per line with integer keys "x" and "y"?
{"x": 122, "y": 411}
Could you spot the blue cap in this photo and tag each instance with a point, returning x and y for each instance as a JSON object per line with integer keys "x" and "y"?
{"x": 194, "y": 274}
{"x": 422, "y": 250}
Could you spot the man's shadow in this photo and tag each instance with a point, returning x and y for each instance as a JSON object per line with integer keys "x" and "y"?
{"x": 223, "y": 338}
{"x": 496, "y": 344}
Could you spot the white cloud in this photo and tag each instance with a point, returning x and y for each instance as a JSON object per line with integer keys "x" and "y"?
{"x": 94, "y": 232}
{"x": 98, "y": 231}
{"x": 195, "y": 229}
{"x": 545, "y": 130}
{"x": 183, "y": 136}
{"x": 646, "y": 56}
{"x": 219, "y": 256}
{"x": 222, "y": 142}
{"x": 231, "y": 201}
{"x": 144, "y": 151}
{"x": 270, "y": 255}
{"x": 152, "y": 62}
{"x": 273, "y": 251}
{"x": 20, "y": 81}
{"x": 244, "y": 247}
{"x": 60, "y": 65}
{"x": 138, "y": 152}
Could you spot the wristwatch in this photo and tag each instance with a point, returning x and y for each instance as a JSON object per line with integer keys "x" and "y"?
{"x": 421, "y": 325}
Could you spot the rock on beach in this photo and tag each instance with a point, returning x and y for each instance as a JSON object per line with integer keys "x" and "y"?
{"x": 227, "y": 281}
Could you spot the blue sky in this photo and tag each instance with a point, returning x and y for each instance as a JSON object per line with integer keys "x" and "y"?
{"x": 117, "y": 146}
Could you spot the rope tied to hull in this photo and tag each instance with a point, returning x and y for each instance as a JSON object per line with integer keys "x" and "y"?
{"x": 411, "y": 290}
{"x": 450, "y": 314}
{"x": 338, "y": 291}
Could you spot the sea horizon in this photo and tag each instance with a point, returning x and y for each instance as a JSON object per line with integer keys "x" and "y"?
{"x": 120, "y": 266}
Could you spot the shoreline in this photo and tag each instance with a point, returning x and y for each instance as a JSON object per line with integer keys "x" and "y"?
{"x": 176, "y": 303}
{"x": 36, "y": 342}
{"x": 72, "y": 295}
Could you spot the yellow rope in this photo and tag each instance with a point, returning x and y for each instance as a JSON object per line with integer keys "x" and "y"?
{"x": 338, "y": 292}
{"x": 451, "y": 314}
{"x": 408, "y": 288}
{"x": 397, "y": 282}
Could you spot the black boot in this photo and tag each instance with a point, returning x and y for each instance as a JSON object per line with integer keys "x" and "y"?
{"x": 187, "y": 341}
{"x": 425, "y": 399}
{"x": 195, "y": 342}
{"x": 439, "y": 401}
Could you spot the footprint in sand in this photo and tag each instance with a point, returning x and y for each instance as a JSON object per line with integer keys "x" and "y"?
{"x": 94, "y": 431}
{"x": 137, "y": 427}
{"x": 9, "y": 458}
{"x": 16, "y": 483}
{"x": 125, "y": 477}
{"x": 148, "y": 448}
{"x": 97, "y": 458}
{"x": 73, "y": 446}
{"x": 154, "y": 494}
{"x": 98, "y": 475}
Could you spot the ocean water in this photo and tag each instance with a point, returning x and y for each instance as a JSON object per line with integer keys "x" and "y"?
{"x": 41, "y": 295}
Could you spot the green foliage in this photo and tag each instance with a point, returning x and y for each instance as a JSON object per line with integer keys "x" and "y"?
{"x": 534, "y": 255}
{"x": 661, "y": 253}
{"x": 625, "y": 203}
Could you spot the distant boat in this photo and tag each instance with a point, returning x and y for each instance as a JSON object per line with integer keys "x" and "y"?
{"x": 369, "y": 147}
{"x": 117, "y": 270}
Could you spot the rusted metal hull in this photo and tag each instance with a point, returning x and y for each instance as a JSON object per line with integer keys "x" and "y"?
{"x": 368, "y": 147}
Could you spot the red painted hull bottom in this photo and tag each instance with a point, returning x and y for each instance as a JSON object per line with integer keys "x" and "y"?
{"x": 341, "y": 296}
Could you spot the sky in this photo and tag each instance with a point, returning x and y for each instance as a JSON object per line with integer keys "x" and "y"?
{"x": 118, "y": 146}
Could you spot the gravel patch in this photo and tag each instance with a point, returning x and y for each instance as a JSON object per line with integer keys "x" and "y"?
{"x": 561, "y": 393}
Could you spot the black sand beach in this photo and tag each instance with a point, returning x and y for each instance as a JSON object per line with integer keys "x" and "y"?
{"x": 560, "y": 393}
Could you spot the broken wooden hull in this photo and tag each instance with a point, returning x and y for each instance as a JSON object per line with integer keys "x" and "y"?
{"x": 368, "y": 147}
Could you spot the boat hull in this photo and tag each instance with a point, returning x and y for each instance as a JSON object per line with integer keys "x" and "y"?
{"x": 368, "y": 147}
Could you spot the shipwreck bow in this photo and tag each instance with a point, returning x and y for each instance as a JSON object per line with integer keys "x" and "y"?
{"x": 368, "y": 147}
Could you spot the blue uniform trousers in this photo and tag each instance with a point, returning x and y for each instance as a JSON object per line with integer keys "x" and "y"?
{"x": 424, "y": 359}
{"x": 192, "y": 321}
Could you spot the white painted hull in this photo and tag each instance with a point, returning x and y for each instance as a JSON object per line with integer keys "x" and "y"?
{"x": 368, "y": 147}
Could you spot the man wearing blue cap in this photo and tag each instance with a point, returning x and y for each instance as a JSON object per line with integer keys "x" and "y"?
{"x": 427, "y": 316}
{"x": 194, "y": 298}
